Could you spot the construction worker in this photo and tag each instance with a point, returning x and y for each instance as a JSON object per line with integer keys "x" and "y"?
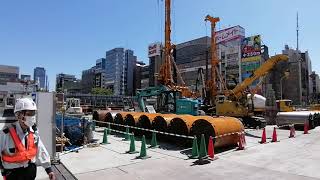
{"x": 21, "y": 146}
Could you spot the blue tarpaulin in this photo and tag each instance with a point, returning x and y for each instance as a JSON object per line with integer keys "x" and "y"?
{"x": 73, "y": 128}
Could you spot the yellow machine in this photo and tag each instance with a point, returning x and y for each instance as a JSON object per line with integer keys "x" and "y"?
{"x": 235, "y": 102}
{"x": 315, "y": 107}
{"x": 285, "y": 105}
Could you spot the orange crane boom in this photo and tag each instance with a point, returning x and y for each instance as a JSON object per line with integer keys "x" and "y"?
{"x": 166, "y": 69}
{"x": 166, "y": 75}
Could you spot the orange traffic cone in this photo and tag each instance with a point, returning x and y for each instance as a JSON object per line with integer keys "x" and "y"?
{"x": 274, "y": 135}
{"x": 292, "y": 131}
{"x": 306, "y": 128}
{"x": 264, "y": 137}
{"x": 242, "y": 142}
{"x": 211, "y": 148}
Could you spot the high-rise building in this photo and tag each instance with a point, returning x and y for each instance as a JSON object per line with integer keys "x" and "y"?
{"x": 306, "y": 71}
{"x": 115, "y": 72}
{"x": 229, "y": 52}
{"x": 295, "y": 85}
{"x": 155, "y": 62}
{"x": 120, "y": 65}
{"x": 100, "y": 73}
{"x": 190, "y": 56}
{"x": 315, "y": 87}
{"x": 130, "y": 66}
{"x": 88, "y": 80}
{"x": 145, "y": 77}
{"x": 25, "y": 77}
{"x": 8, "y": 74}
{"x": 196, "y": 54}
{"x": 39, "y": 75}
{"x": 11, "y": 84}
{"x": 141, "y": 75}
{"x": 67, "y": 83}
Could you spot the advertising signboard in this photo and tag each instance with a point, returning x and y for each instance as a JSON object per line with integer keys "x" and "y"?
{"x": 250, "y": 66}
{"x": 251, "y": 46}
{"x": 229, "y": 34}
{"x": 154, "y": 49}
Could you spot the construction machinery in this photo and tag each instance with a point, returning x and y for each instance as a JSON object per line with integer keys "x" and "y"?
{"x": 235, "y": 102}
{"x": 215, "y": 83}
{"x": 165, "y": 77}
{"x": 177, "y": 105}
{"x": 169, "y": 96}
{"x": 315, "y": 107}
{"x": 284, "y": 105}
{"x": 166, "y": 100}
{"x": 73, "y": 107}
{"x": 288, "y": 114}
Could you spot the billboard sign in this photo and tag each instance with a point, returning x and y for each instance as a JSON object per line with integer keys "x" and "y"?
{"x": 251, "y": 59}
{"x": 229, "y": 34}
{"x": 154, "y": 49}
{"x": 251, "y": 46}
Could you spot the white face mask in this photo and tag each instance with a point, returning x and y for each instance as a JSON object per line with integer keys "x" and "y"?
{"x": 30, "y": 120}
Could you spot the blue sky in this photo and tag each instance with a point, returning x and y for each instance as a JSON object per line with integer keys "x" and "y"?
{"x": 68, "y": 36}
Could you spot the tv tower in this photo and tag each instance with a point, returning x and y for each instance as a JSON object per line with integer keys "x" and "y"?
{"x": 297, "y": 31}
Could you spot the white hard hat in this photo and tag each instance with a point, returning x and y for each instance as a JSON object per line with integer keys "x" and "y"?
{"x": 25, "y": 104}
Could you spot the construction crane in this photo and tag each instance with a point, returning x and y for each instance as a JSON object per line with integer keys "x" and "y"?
{"x": 200, "y": 82}
{"x": 171, "y": 97}
{"x": 166, "y": 76}
{"x": 212, "y": 83}
{"x": 216, "y": 83}
{"x": 264, "y": 69}
{"x": 235, "y": 102}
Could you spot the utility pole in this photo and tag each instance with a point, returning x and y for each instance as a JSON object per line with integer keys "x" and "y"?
{"x": 299, "y": 62}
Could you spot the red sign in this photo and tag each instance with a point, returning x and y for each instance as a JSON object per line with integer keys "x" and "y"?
{"x": 251, "y": 46}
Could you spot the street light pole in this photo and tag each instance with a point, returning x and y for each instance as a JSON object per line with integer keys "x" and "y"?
{"x": 281, "y": 86}
{"x": 300, "y": 83}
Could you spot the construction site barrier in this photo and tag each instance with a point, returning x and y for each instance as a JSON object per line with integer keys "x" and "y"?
{"x": 198, "y": 152}
{"x": 148, "y": 130}
{"x": 224, "y": 130}
{"x": 182, "y": 125}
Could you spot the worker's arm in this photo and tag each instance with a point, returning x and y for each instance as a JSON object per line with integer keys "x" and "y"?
{"x": 2, "y": 145}
{"x": 2, "y": 141}
{"x": 43, "y": 157}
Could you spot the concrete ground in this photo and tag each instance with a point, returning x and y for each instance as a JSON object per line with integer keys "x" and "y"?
{"x": 294, "y": 158}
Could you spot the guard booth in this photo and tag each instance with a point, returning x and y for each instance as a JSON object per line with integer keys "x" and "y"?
{"x": 46, "y": 104}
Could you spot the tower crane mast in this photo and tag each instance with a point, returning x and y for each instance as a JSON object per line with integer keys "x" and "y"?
{"x": 166, "y": 75}
{"x": 214, "y": 81}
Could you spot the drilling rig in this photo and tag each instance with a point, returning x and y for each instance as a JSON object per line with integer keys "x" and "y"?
{"x": 172, "y": 97}
{"x": 237, "y": 102}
